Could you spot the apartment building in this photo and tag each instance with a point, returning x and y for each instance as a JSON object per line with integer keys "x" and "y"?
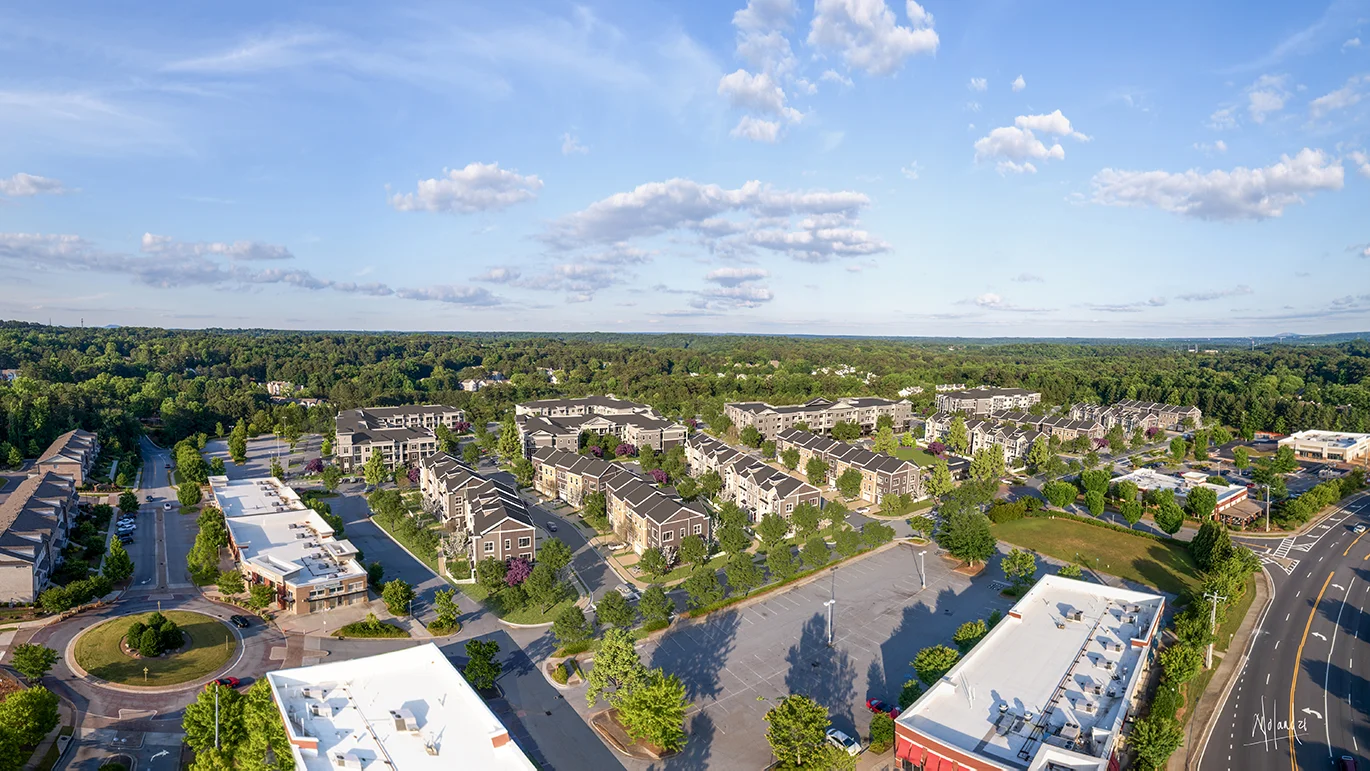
{"x": 1132, "y": 414}
{"x": 982, "y": 433}
{"x": 646, "y": 517}
{"x": 984, "y": 400}
{"x": 491, "y": 516}
{"x": 34, "y": 521}
{"x": 282, "y": 387}
{"x": 570, "y": 476}
{"x": 1061, "y": 425}
{"x": 279, "y": 542}
{"x": 755, "y": 486}
{"x": 820, "y": 415}
{"x": 72, "y": 455}
{"x": 558, "y": 423}
{"x": 881, "y": 474}
{"x": 1337, "y": 446}
{"x": 402, "y": 435}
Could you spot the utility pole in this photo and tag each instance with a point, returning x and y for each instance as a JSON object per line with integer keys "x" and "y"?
{"x": 216, "y": 716}
{"x": 1214, "y": 598}
{"x": 922, "y": 569}
{"x": 1267, "y": 507}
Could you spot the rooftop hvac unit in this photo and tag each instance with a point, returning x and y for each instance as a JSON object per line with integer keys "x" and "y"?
{"x": 1076, "y": 615}
{"x": 1108, "y": 665}
{"x": 1117, "y": 646}
{"x": 307, "y": 692}
{"x": 1129, "y": 619}
{"x": 430, "y": 746}
{"x": 404, "y": 720}
{"x": 1088, "y": 708}
{"x": 1097, "y": 689}
{"x": 1060, "y": 625}
{"x": 349, "y": 761}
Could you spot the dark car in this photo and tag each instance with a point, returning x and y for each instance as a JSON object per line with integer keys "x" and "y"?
{"x": 876, "y": 705}
{"x": 1348, "y": 763}
{"x": 227, "y": 682}
{"x": 241, "y": 622}
{"x": 552, "y": 526}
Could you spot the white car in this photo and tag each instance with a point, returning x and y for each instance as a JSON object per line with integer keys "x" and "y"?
{"x": 628, "y": 592}
{"x": 841, "y": 741}
{"x": 1358, "y": 529}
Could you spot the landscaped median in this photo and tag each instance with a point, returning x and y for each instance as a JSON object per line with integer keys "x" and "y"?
{"x": 209, "y": 644}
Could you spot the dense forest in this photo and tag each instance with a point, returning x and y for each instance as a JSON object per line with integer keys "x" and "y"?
{"x": 119, "y": 381}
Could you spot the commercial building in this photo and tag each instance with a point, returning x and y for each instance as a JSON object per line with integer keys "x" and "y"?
{"x": 1132, "y": 414}
{"x": 819, "y": 415}
{"x": 757, "y": 487}
{"x": 279, "y": 542}
{"x": 489, "y": 516}
{"x": 406, "y": 710}
{"x": 72, "y": 455}
{"x": 570, "y": 476}
{"x": 983, "y": 433}
{"x": 402, "y": 435}
{"x": 881, "y": 474}
{"x": 34, "y": 521}
{"x": 1149, "y": 479}
{"x": 1049, "y": 687}
{"x": 646, "y": 517}
{"x": 984, "y": 400}
{"x": 1337, "y": 446}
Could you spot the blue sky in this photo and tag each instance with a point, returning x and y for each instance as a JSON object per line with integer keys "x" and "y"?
{"x": 839, "y": 166}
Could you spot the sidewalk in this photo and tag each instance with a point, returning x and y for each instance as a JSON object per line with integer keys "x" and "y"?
{"x": 1303, "y": 530}
{"x": 65, "y": 722}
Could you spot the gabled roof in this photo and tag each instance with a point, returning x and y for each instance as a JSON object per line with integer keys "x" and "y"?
{"x": 31, "y": 514}
{"x": 575, "y": 463}
{"x": 851, "y": 455}
{"x": 650, "y": 502}
{"x": 71, "y": 447}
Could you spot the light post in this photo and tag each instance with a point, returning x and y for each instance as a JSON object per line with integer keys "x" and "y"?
{"x": 829, "y": 605}
{"x": 216, "y": 716}
{"x": 1267, "y": 507}
{"x": 922, "y": 570}
{"x": 1214, "y": 598}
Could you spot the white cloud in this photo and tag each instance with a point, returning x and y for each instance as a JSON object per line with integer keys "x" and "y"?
{"x": 499, "y": 275}
{"x": 756, "y": 129}
{"x": 1025, "y": 278}
{"x": 448, "y": 293}
{"x": 1217, "y": 147}
{"x": 1014, "y": 148}
{"x": 973, "y": 106}
{"x": 1346, "y": 96}
{"x": 1352, "y": 43}
{"x": 1052, "y": 123}
{"x": 1361, "y": 250}
{"x": 570, "y": 145}
{"x": 868, "y": 35}
{"x": 734, "y": 276}
{"x": 911, "y": 170}
{"x": 1242, "y": 193}
{"x": 833, "y": 76}
{"x": 996, "y": 302}
{"x": 1268, "y": 94}
{"x": 1362, "y": 162}
{"x": 978, "y": 84}
{"x": 723, "y": 298}
{"x": 22, "y": 185}
{"x": 1132, "y": 307}
{"x": 757, "y": 92}
{"x": 1218, "y": 294}
{"x": 478, "y": 187}
{"x": 237, "y": 251}
{"x": 1223, "y": 119}
{"x": 1019, "y": 84}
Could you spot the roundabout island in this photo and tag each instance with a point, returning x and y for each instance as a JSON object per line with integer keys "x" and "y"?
{"x": 192, "y": 648}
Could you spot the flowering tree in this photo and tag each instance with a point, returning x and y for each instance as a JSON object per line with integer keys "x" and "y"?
{"x": 1152, "y": 432}
{"x": 414, "y": 475}
{"x": 314, "y": 466}
{"x": 659, "y": 476}
{"x": 625, "y": 449}
{"x": 519, "y": 568}
{"x": 937, "y": 448}
{"x": 692, "y": 423}
{"x": 597, "y": 451}
{"x": 1100, "y": 443}
{"x": 461, "y": 427}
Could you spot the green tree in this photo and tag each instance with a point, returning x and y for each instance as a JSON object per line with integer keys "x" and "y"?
{"x": 595, "y": 510}
{"x": 923, "y": 524}
{"x": 28, "y": 715}
{"x": 1241, "y": 458}
{"x": 849, "y": 483}
{"x": 570, "y": 627}
{"x": 1038, "y": 455}
{"x": 653, "y": 563}
{"x": 1284, "y": 461}
{"x": 201, "y": 715}
{"x": 128, "y": 502}
{"x": 1019, "y": 567}
{"x": 909, "y": 693}
{"x": 542, "y": 585}
{"x": 397, "y": 594}
{"x": 555, "y": 554}
{"x": 1201, "y": 501}
{"x": 188, "y": 493}
{"x": 1153, "y": 740}
{"x": 987, "y": 464}
{"x": 375, "y": 572}
{"x": 933, "y": 662}
{"x": 482, "y": 667}
{"x": 805, "y": 519}
{"x": 816, "y": 469}
{"x": 1070, "y": 571}
{"x": 118, "y": 565}
{"x": 1094, "y": 501}
{"x": 796, "y": 730}
{"x": 940, "y": 482}
{"x": 702, "y": 588}
{"x": 751, "y": 437}
{"x": 743, "y": 574}
{"x": 326, "y": 447}
{"x": 614, "y": 610}
{"x": 969, "y": 633}
{"x": 470, "y": 454}
{"x": 331, "y": 476}
{"x": 445, "y": 606}
{"x": 1211, "y": 545}
{"x": 846, "y": 430}
{"x": 654, "y": 709}
{"x": 966, "y": 536}
{"x": 958, "y": 439}
{"x": 1094, "y": 480}
{"x": 772, "y": 529}
{"x": 1125, "y": 490}
{"x": 32, "y": 661}
{"x": 780, "y": 563}
{"x": 1178, "y": 449}
{"x": 694, "y": 550}
{"x": 849, "y": 542}
{"x": 733, "y": 539}
{"x": 790, "y": 458}
{"x": 884, "y": 441}
{"x": 510, "y": 445}
{"x": 1181, "y": 662}
{"x": 1132, "y": 512}
{"x": 374, "y": 470}
{"x": 1060, "y": 494}
{"x": 616, "y": 668}
{"x": 1200, "y": 445}
{"x": 655, "y": 606}
{"x": 875, "y": 534}
{"x": 815, "y": 552}
{"x": 260, "y": 596}
{"x": 1169, "y": 518}
{"x": 711, "y": 483}
{"x": 490, "y": 574}
{"x": 276, "y": 470}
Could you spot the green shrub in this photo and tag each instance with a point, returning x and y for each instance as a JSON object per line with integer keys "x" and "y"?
{"x": 371, "y": 627}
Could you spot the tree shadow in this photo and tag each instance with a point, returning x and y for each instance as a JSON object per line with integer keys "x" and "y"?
{"x": 824, "y": 674}
{"x": 696, "y": 653}
{"x": 699, "y": 738}
{"x": 921, "y": 624}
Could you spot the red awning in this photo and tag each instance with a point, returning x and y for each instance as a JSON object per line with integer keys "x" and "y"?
{"x": 909, "y": 751}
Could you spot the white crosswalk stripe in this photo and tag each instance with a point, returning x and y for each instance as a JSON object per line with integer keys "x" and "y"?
{"x": 1283, "y": 549}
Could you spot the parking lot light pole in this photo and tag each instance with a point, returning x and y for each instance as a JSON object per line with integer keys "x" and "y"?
{"x": 829, "y": 605}
{"x": 922, "y": 569}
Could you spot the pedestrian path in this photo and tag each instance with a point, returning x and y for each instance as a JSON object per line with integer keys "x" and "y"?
{"x": 1282, "y": 550}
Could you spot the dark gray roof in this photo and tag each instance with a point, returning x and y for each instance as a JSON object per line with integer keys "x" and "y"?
{"x": 648, "y": 501}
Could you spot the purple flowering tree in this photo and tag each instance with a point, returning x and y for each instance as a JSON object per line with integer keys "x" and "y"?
{"x": 1152, "y": 432}
{"x": 625, "y": 449}
{"x": 692, "y": 423}
{"x": 414, "y": 475}
{"x": 659, "y": 476}
{"x": 461, "y": 427}
{"x": 937, "y": 448}
{"x": 1100, "y": 443}
{"x": 517, "y": 570}
{"x": 314, "y": 466}
{"x": 597, "y": 451}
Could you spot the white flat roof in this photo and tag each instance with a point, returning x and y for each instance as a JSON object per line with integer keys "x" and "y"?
{"x": 246, "y": 497}
{"x": 1331, "y": 439}
{"x": 1032, "y": 681}
{"x": 407, "y": 710}
{"x": 276, "y": 534}
{"x": 1151, "y": 479}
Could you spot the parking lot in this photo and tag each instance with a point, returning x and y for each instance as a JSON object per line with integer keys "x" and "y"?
{"x": 738, "y": 662}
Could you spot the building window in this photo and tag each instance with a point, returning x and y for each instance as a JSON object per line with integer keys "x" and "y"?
{"x": 667, "y": 535}
{"x": 489, "y": 547}
{"x": 525, "y": 542}
{"x": 699, "y": 529}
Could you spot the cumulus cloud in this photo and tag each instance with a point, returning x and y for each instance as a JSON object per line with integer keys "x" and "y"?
{"x": 1223, "y": 118}
{"x": 756, "y": 92}
{"x": 1051, "y": 123}
{"x": 1241, "y": 193}
{"x": 1346, "y": 96}
{"x": 1362, "y": 162}
{"x": 238, "y": 250}
{"x": 478, "y": 187}
{"x": 23, "y": 185}
{"x": 1268, "y": 94}
{"x": 1019, "y": 84}
{"x": 1132, "y": 307}
{"x": 996, "y": 302}
{"x": 570, "y": 145}
{"x": 833, "y": 76}
{"x": 735, "y": 276}
{"x": 756, "y": 129}
{"x": 499, "y": 275}
{"x": 1024, "y": 278}
{"x": 1203, "y": 297}
{"x": 736, "y": 288}
{"x": 978, "y": 84}
{"x": 1015, "y": 148}
{"x": 1352, "y": 43}
{"x": 911, "y": 170}
{"x": 451, "y": 294}
{"x": 762, "y": 43}
{"x": 1216, "y": 147}
{"x": 868, "y": 36}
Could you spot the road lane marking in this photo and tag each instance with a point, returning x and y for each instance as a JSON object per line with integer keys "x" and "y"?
{"x": 1294, "y": 682}
{"x": 1327, "y": 724}
{"x": 1353, "y": 543}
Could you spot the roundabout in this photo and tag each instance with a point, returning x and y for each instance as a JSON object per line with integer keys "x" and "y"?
{"x": 207, "y": 646}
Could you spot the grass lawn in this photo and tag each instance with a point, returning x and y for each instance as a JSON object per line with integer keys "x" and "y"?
{"x": 682, "y": 572}
{"x": 431, "y": 562}
{"x": 99, "y": 653}
{"x": 916, "y": 454}
{"x": 529, "y": 614}
{"x": 1235, "y": 614}
{"x": 1166, "y": 566}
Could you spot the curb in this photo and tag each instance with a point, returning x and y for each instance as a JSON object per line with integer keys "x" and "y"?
{"x": 1335, "y": 508}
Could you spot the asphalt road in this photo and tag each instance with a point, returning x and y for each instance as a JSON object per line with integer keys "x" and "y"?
{"x": 1300, "y": 699}
{"x": 163, "y": 538}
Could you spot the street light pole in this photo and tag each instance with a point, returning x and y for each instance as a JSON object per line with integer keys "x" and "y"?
{"x": 922, "y": 569}
{"x": 1267, "y": 507}
{"x": 216, "y": 716}
{"x": 1214, "y": 598}
{"x": 829, "y": 605}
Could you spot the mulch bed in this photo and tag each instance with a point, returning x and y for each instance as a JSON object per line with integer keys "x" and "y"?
{"x": 8, "y": 685}
{"x": 606, "y": 725}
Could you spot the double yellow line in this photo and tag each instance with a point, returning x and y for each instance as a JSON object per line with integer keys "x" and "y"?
{"x": 1298, "y": 658}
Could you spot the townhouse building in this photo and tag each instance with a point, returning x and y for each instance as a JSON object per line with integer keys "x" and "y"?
{"x": 584, "y": 405}
{"x": 1110, "y": 416}
{"x": 402, "y": 435}
{"x": 570, "y": 476}
{"x": 984, "y": 400}
{"x": 820, "y": 415}
{"x": 1132, "y": 414}
{"x": 981, "y": 433}
{"x": 1060, "y": 425}
{"x": 646, "y": 517}
{"x": 753, "y": 485}
{"x": 559, "y": 423}
{"x": 34, "y": 521}
{"x": 489, "y": 515}
{"x": 881, "y": 474}
{"x": 72, "y": 455}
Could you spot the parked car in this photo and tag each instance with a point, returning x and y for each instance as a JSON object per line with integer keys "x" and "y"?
{"x": 242, "y": 622}
{"x": 1358, "y": 529}
{"x": 551, "y": 527}
{"x": 628, "y": 592}
{"x": 126, "y": 538}
{"x": 227, "y": 682}
{"x": 876, "y": 705}
{"x": 1348, "y": 763}
{"x": 841, "y": 741}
